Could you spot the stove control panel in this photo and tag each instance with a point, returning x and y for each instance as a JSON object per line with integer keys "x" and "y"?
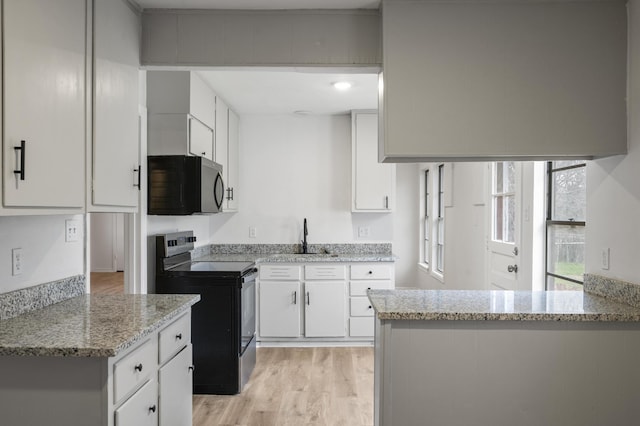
{"x": 175, "y": 243}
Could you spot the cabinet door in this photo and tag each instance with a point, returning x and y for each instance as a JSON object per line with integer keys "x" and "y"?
{"x": 325, "y": 313}
{"x": 176, "y": 381}
{"x": 373, "y": 184}
{"x": 222, "y": 124}
{"x": 200, "y": 139}
{"x": 44, "y": 102}
{"x": 116, "y": 143}
{"x": 141, "y": 409}
{"x": 233, "y": 161}
{"x": 280, "y": 308}
{"x": 201, "y": 100}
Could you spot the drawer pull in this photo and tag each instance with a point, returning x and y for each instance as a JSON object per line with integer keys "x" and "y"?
{"x": 179, "y": 336}
{"x": 370, "y": 307}
{"x": 138, "y": 367}
{"x": 370, "y": 272}
{"x": 152, "y": 408}
{"x": 368, "y": 288}
{"x": 191, "y": 368}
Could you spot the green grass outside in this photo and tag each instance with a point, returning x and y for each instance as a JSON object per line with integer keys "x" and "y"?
{"x": 570, "y": 270}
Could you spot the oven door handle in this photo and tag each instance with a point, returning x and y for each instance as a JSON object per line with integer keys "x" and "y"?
{"x": 251, "y": 276}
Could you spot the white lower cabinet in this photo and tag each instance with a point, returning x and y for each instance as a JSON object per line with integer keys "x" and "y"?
{"x": 318, "y": 302}
{"x": 176, "y": 384}
{"x": 141, "y": 409}
{"x": 280, "y": 308}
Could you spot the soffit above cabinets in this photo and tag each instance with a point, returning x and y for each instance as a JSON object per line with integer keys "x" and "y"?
{"x": 259, "y": 4}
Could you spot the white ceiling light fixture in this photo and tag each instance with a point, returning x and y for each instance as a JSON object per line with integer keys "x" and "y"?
{"x": 342, "y": 85}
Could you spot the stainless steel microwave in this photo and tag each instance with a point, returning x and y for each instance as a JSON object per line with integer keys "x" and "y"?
{"x": 184, "y": 185}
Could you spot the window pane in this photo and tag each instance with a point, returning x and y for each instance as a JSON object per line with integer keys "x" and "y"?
{"x": 498, "y": 218}
{"x": 565, "y": 251}
{"x": 441, "y": 232}
{"x": 510, "y": 184}
{"x": 569, "y": 194}
{"x": 510, "y": 219}
{"x": 558, "y": 284}
{"x": 499, "y": 179}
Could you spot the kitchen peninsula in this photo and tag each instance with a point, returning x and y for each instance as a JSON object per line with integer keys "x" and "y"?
{"x": 103, "y": 360}
{"x": 502, "y": 358}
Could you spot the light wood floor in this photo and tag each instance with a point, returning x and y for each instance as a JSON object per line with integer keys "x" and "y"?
{"x": 298, "y": 387}
{"x": 107, "y": 282}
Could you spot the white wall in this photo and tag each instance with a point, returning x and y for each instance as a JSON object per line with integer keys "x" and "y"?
{"x": 46, "y": 255}
{"x": 613, "y": 186}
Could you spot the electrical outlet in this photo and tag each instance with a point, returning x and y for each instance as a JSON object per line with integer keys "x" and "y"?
{"x": 364, "y": 231}
{"x": 252, "y": 232}
{"x": 16, "y": 261}
{"x": 72, "y": 231}
{"x": 605, "y": 258}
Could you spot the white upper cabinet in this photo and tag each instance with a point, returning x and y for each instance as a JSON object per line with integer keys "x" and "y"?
{"x": 372, "y": 184}
{"x": 44, "y": 63}
{"x": 115, "y": 165}
{"x": 227, "y": 126}
{"x": 181, "y": 114}
{"x": 505, "y": 79}
{"x": 171, "y": 92}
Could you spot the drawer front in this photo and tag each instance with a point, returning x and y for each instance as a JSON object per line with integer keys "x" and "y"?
{"x": 359, "y": 288}
{"x": 174, "y": 337}
{"x": 325, "y": 272}
{"x": 360, "y": 307}
{"x": 280, "y": 272}
{"x": 141, "y": 409}
{"x": 134, "y": 369}
{"x": 361, "y": 327}
{"x": 371, "y": 271}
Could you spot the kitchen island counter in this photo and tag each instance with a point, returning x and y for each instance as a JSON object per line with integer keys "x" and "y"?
{"x": 500, "y": 358}
{"x": 479, "y": 305}
{"x": 90, "y": 325}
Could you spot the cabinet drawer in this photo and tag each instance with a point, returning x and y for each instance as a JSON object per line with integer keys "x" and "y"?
{"x": 361, "y": 327}
{"x": 134, "y": 369}
{"x": 141, "y": 409}
{"x": 359, "y": 288}
{"x": 279, "y": 272}
{"x": 325, "y": 272}
{"x": 360, "y": 307}
{"x": 174, "y": 337}
{"x": 369, "y": 271}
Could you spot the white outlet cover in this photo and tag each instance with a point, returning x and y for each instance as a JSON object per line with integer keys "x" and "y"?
{"x": 72, "y": 231}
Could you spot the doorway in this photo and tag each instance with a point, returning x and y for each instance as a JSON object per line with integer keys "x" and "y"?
{"x": 107, "y": 247}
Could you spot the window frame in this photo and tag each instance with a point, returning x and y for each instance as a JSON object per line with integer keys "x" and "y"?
{"x": 550, "y": 222}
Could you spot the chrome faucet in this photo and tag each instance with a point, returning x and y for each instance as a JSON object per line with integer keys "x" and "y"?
{"x": 305, "y": 232}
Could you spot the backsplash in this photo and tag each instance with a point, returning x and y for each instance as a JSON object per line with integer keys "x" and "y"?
{"x": 28, "y": 299}
{"x": 611, "y": 288}
{"x": 368, "y": 248}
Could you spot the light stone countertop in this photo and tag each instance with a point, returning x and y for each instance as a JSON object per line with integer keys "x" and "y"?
{"x": 90, "y": 326}
{"x": 479, "y": 305}
{"x": 297, "y": 257}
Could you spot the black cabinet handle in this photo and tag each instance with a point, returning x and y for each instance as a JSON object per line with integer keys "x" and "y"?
{"x": 232, "y": 193}
{"x": 179, "y": 336}
{"x": 139, "y": 170}
{"x": 22, "y": 148}
{"x": 138, "y": 367}
{"x": 191, "y": 368}
{"x": 152, "y": 408}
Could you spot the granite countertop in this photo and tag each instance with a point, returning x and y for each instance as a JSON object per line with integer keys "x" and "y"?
{"x": 297, "y": 257}
{"x": 90, "y": 325}
{"x": 479, "y": 305}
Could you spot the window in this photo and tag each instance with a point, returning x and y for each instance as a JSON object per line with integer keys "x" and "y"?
{"x": 503, "y": 199}
{"x": 425, "y": 221}
{"x": 439, "y": 223}
{"x": 566, "y": 220}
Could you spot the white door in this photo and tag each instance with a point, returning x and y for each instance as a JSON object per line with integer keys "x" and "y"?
{"x": 325, "y": 309}
{"x": 280, "y": 308}
{"x": 200, "y": 139}
{"x": 176, "y": 381}
{"x": 44, "y": 61}
{"x": 116, "y": 165}
{"x": 233, "y": 157}
{"x": 504, "y": 227}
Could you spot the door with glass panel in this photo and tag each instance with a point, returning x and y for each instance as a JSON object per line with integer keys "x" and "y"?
{"x": 504, "y": 236}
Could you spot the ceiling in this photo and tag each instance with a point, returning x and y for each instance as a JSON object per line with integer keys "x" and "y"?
{"x": 286, "y": 92}
{"x": 259, "y": 4}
